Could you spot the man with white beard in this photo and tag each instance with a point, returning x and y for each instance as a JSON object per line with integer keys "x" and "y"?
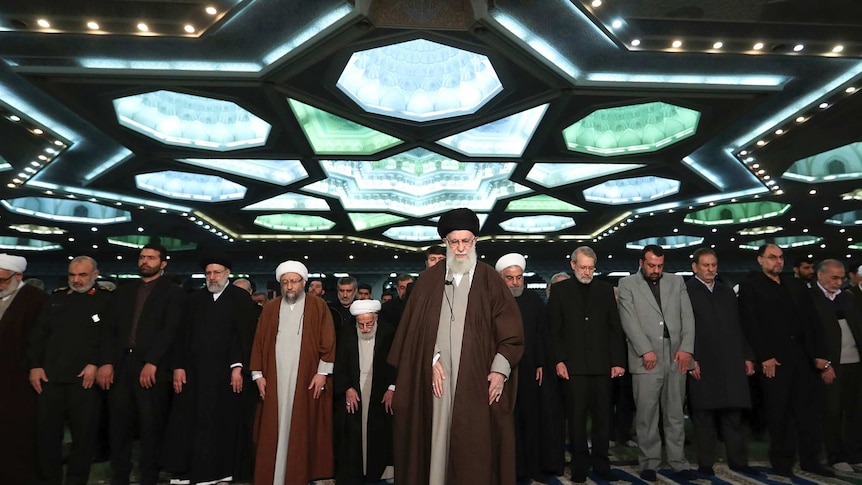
{"x": 587, "y": 344}
{"x": 363, "y": 385}
{"x": 63, "y": 354}
{"x": 291, "y": 360}
{"x": 529, "y": 444}
{"x": 210, "y": 353}
{"x": 456, "y": 346}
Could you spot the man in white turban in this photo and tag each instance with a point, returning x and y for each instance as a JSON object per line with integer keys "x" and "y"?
{"x": 291, "y": 361}
{"x": 364, "y": 386}
{"x": 19, "y": 306}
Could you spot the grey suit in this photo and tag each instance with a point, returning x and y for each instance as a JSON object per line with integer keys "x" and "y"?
{"x": 663, "y": 387}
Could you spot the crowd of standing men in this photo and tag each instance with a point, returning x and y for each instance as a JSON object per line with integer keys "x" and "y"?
{"x": 461, "y": 377}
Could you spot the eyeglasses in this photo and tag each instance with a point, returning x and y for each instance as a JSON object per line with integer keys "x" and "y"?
{"x": 4, "y": 280}
{"x": 589, "y": 269}
{"x": 455, "y": 242}
{"x": 291, "y": 282}
{"x": 366, "y": 325}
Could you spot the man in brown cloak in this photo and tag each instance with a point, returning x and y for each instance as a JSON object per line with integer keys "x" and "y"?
{"x": 291, "y": 363}
{"x": 459, "y": 339}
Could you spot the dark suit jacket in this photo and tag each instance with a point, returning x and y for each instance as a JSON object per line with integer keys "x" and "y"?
{"x": 157, "y": 326}
{"x": 586, "y": 335}
{"x": 829, "y": 322}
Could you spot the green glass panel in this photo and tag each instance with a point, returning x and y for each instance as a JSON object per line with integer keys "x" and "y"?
{"x": 537, "y": 224}
{"x": 851, "y": 218}
{"x": 759, "y": 231}
{"x": 556, "y": 174}
{"x": 541, "y": 203}
{"x": 294, "y": 223}
{"x": 640, "y": 128}
{"x": 328, "y": 133}
{"x": 365, "y": 221}
{"x": 783, "y": 242}
{"x": 842, "y": 163}
{"x": 23, "y": 244}
{"x": 738, "y": 213}
{"x": 666, "y": 242}
{"x": 66, "y": 210}
{"x": 138, "y": 241}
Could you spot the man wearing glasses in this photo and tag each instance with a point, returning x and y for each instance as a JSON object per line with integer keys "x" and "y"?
{"x": 19, "y": 306}
{"x": 291, "y": 362}
{"x": 459, "y": 339}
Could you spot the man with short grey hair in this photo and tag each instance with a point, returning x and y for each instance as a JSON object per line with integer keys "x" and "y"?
{"x": 841, "y": 323}
{"x": 340, "y": 307}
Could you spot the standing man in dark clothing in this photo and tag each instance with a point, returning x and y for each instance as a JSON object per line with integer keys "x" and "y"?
{"x": 212, "y": 349}
{"x": 64, "y": 354}
{"x": 723, "y": 360}
{"x": 136, "y": 369}
{"x": 841, "y": 323}
{"x": 364, "y": 384}
{"x": 803, "y": 269}
{"x": 20, "y": 304}
{"x": 587, "y": 344}
{"x": 392, "y": 310}
{"x": 778, "y": 318}
{"x": 529, "y": 442}
{"x": 340, "y": 307}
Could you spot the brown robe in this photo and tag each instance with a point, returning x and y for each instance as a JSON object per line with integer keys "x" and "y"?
{"x": 482, "y": 440}
{"x": 309, "y": 446}
{"x": 17, "y": 398}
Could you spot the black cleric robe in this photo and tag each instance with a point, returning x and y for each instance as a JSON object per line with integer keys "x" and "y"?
{"x": 720, "y": 348}
{"x": 202, "y": 440}
{"x": 348, "y": 426}
{"x": 529, "y": 443}
{"x": 482, "y": 439}
{"x": 17, "y": 398}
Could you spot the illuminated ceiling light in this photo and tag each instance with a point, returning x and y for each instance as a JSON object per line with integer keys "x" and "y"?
{"x": 190, "y": 186}
{"x": 596, "y": 3}
{"x": 189, "y": 28}
{"x": 294, "y": 223}
{"x": 143, "y": 27}
{"x": 676, "y": 44}
{"x": 23, "y": 244}
{"x": 211, "y": 10}
{"x": 739, "y": 213}
{"x": 800, "y": 119}
{"x": 552, "y": 175}
{"x": 365, "y": 221}
{"x": 617, "y": 24}
{"x": 36, "y": 229}
{"x": 743, "y": 153}
{"x": 328, "y": 133}
{"x": 93, "y": 25}
{"x": 783, "y": 242}
{"x": 837, "y": 49}
{"x": 666, "y": 242}
{"x": 419, "y": 80}
{"x": 136, "y": 241}
{"x": 412, "y": 233}
{"x": 537, "y": 224}
{"x": 542, "y": 203}
{"x": 417, "y": 183}
{"x": 823, "y": 105}
{"x": 507, "y": 137}
{"x": 186, "y": 120}
{"x": 760, "y": 143}
{"x": 779, "y": 131}
{"x": 842, "y": 163}
{"x": 798, "y": 48}
{"x": 626, "y": 191}
{"x": 758, "y": 46}
{"x": 635, "y": 42}
{"x": 290, "y": 202}
{"x": 66, "y": 210}
{"x": 14, "y": 118}
{"x": 718, "y": 45}
{"x": 850, "y": 90}
{"x": 640, "y": 128}
{"x": 279, "y": 172}
{"x": 759, "y": 231}
{"x": 43, "y": 23}
{"x": 38, "y": 131}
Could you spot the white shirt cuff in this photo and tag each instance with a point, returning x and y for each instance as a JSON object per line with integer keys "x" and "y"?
{"x": 325, "y": 368}
{"x": 501, "y": 365}
{"x": 238, "y": 364}
{"x": 256, "y": 374}
{"x": 392, "y": 387}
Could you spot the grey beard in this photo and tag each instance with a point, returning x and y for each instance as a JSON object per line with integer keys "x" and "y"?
{"x": 292, "y": 299}
{"x": 13, "y": 287}
{"x": 217, "y": 287}
{"x": 367, "y": 336}
{"x": 517, "y": 291}
{"x": 85, "y": 289}
{"x": 584, "y": 279}
{"x": 457, "y": 266}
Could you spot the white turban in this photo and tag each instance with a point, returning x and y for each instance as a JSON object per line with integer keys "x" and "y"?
{"x": 360, "y": 307}
{"x": 291, "y": 267}
{"x": 511, "y": 259}
{"x": 14, "y": 264}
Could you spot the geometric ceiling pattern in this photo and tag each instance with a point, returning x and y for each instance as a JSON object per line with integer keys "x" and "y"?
{"x": 346, "y": 130}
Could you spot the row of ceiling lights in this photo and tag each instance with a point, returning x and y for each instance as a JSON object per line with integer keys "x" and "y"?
{"x": 142, "y": 27}
{"x": 54, "y": 148}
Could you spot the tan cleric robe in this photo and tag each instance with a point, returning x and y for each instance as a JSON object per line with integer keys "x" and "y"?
{"x": 294, "y": 439}
{"x": 480, "y": 446}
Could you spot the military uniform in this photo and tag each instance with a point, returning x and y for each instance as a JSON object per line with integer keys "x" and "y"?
{"x": 64, "y": 340}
